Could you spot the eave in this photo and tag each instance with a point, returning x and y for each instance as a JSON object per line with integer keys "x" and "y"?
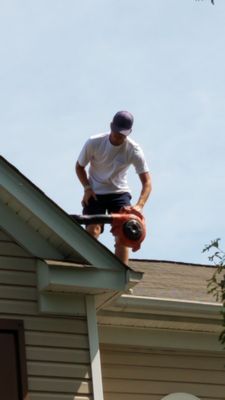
{"x": 67, "y": 278}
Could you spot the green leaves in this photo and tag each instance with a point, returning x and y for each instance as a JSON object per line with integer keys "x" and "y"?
{"x": 216, "y": 284}
{"x": 214, "y": 243}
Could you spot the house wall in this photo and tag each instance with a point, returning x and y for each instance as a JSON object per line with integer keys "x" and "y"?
{"x": 57, "y": 349}
{"x": 131, "y": 373}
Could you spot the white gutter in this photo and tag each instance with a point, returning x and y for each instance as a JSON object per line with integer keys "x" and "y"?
{"x": 161, "y": 323}
{"x": 146, "y": 307}
{"x": 161, "y": 305}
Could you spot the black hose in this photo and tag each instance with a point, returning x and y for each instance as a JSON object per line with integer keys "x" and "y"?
{"x": 92, "y": 219}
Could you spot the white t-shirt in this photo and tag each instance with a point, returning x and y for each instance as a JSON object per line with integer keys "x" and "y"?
{"x": 109, "y": 163}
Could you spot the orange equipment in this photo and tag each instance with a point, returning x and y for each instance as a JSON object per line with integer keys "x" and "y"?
{"x": 128, "y": 226}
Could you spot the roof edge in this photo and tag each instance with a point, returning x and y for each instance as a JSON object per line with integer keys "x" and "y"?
{"x": 172, "y": 262}
{"x": 153, "y": 305}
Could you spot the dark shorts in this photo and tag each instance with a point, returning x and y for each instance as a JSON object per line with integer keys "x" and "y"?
{"x": 107, "y": 203}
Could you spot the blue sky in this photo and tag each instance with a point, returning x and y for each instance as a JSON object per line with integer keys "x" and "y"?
{"x": 67, "y": 67}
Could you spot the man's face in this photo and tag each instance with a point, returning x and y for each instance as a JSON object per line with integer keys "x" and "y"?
{"x": 117, "y": 138}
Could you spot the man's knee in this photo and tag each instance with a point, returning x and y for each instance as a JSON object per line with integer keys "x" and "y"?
{"x": 95, "y": 230}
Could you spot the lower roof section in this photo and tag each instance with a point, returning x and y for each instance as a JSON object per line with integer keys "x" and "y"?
{"x": 173, "y": 280}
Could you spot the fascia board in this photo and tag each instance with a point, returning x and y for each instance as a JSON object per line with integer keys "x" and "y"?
{"x": 64, "y": 279}
{"x": 55, "y": 282}
{"x": 60, "y": 222}
{"x": 132, "y": 277}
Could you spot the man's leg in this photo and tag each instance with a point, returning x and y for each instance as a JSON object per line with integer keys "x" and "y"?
{"x": 117, "y": 202}
{"x": 112, "y": 203}
{"x": 122, "y": 252}
{"x": 94, "y": 207}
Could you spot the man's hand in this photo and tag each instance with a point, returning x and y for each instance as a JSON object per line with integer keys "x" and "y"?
{"x": 88, "y": 192}
{"x": 145, "y": 192}
{"x": 131, "y": 208}
{"x": 87, "y": 195}
{"x": 137, "y": 208}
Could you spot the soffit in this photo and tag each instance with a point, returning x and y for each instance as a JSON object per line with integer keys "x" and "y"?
{"x": 47, "y": 243}
{"x": 33, "y": 230}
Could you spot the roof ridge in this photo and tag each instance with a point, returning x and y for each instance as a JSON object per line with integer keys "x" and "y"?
{"x": 172, "y": 262}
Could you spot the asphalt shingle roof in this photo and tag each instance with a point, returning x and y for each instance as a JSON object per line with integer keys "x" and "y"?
{"x": 173, "y": 280}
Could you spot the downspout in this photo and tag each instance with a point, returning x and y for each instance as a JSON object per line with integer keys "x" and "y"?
{"x": 94, "y": 348}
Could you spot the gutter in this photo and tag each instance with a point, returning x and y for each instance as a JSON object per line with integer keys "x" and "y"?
{"x": 141, "y": 311}
{"x": 157, "y": 323}
{"x": 148, "y": 305}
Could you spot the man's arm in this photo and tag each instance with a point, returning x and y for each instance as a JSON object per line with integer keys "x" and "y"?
{"x": 82, "y": 176}
{"x": 145, "y": 179}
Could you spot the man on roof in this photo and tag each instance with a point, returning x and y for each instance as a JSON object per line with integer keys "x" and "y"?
{"x": 106, "y": 190}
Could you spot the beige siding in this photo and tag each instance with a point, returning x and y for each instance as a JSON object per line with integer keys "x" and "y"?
{"x": 57, "y": 349}
{"x": 131, "y": 373}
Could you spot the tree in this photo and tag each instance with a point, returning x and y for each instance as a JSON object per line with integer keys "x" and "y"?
{"x": 216, "y": 285}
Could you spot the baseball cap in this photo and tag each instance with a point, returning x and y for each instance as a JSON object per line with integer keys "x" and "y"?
{"x": 122, "y": 122}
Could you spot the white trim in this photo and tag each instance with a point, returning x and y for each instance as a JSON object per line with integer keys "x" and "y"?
{"x": 137, "y": 298}
{"x": 145, "y": 321}
{"x": 145, "y": 300}
{"x": 152, "y": 305}
{"x": 94, "y": 349}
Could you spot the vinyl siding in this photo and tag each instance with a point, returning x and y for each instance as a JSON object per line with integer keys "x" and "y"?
{"x": 135, "y": 373}
{"x": 57, "y": 349}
